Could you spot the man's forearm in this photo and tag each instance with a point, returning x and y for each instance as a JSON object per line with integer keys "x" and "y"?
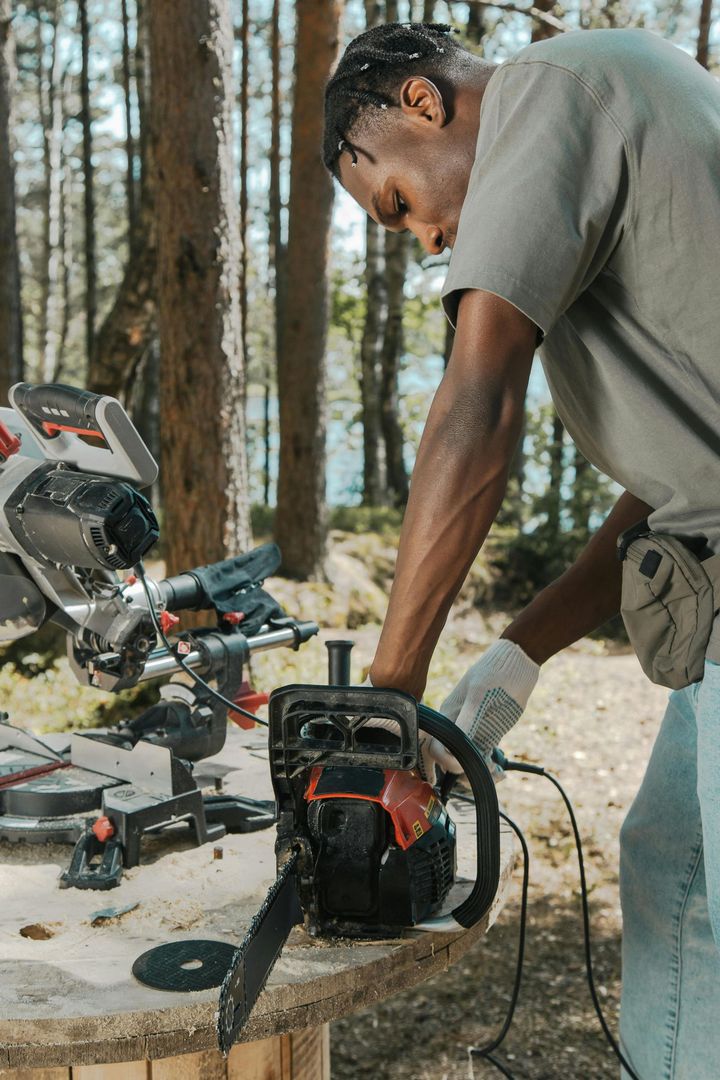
{"x": 585, "y": 596}
{"x": 458, "y": 483}
{"x": 454, "y": 498}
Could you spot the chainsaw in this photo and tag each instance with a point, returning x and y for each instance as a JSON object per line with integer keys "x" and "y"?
{"x": 365, "y": 845}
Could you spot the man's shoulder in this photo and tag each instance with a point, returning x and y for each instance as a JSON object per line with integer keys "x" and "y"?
{"x": 594, "y": 55}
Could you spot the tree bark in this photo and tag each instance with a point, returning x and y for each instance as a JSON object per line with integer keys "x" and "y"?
{"x": 88, "y": 175}
{"x": 11, "y": 345}
{"x": 129, "y": 141}
{"x": 370, "y": 364}
{"x": 703, "y": 43}
{"x": 142, "y": 86}
{"x": 300, "y": 525}
{"x": 475, "y": 27}
{"x": 554, "y": 492}
{"x": 396, "y": 249}
{"x": 244, "y": 112}
{"x": 277, "y": 248}
{"x": 203, "y": 461}
{"x": 52, "y": 292}
{"x": 42, "y": 116}
{"x": 130, "y": 325}
{"x": 371, "y": 340}
{"x": 66, "y": 241}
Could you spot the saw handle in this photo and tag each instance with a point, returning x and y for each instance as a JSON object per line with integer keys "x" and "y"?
{"x": 487, "y": 874}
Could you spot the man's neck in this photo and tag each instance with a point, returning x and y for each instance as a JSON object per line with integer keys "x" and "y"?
{"x": 469, "y": 93}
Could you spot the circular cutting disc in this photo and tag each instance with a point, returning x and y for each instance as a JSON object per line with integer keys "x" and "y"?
{"x": 184, "y": 965}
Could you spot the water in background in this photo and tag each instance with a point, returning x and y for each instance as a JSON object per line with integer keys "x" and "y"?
{"x": 344, "y": 431}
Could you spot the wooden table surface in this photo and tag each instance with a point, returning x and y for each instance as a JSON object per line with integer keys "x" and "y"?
{"x": 68, "y": 998}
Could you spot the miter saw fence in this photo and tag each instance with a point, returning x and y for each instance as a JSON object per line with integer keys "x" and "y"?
{"x": 70, "y": 519}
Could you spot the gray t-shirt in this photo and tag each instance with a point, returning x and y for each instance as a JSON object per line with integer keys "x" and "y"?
{"x": 594, "y": 207}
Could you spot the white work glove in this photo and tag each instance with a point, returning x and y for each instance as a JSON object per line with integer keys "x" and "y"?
{"x": 490, "y": 699}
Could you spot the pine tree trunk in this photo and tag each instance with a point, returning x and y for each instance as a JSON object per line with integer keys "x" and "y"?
{"x": 276, "y": 252}
{"x": 703, "y": 43}
{"x": 66, "y": 240}
{"x": 43, "y": 119}
{"x": 244, "y": 112}
{"x": 88, "y": 175}
{"x": 300, "y": 524}
{"x": 52, "y": 320}
{"x": 371, "y": 341}
{"x": 129, "y": 141}
{"x": 203, "y": 462}
{"x": 554, "y": 493}
{"x": 277, "y": 248}
{"x": 11, "y": 353}
{"x": 370, "y": 365}
{"x": 130, "y": 325}
{"x": 396, "y": 248}
{"x": 475, "y": 27}
{"x": 142, "y": 85}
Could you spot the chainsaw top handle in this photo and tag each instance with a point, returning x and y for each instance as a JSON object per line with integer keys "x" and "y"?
{"x": 295, "y": 746}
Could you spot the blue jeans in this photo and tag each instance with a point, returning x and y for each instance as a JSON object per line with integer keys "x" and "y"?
{"x": 670, "y": 896}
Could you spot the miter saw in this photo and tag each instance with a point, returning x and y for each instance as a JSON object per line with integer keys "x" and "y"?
{"x": 72, "y": 518}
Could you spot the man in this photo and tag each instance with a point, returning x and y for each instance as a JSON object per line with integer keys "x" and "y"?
{"x": 578, "y": 185}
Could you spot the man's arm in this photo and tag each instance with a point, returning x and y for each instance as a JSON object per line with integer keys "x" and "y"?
{"x": 458, "y": 481}
{"x": 585, "y": 596}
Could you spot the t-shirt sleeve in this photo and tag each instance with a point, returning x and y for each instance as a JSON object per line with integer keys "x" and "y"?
{"x": 547, "y": 195}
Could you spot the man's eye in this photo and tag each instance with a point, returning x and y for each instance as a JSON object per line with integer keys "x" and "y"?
{"x": 401, "y": 206}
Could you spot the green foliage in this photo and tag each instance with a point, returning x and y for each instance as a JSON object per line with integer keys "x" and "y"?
{"x": 385, "y": 520}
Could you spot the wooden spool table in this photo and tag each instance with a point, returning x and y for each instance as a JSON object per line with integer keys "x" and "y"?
{"x": 70, "y": 1007}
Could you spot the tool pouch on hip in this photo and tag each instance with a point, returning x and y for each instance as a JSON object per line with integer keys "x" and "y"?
{"x": 669, "y": 600}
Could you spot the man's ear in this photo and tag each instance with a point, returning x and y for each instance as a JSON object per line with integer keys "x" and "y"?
{"x": 422, "y": 102}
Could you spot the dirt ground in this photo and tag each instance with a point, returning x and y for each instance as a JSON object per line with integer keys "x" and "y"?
{"x": 592, "y": 721}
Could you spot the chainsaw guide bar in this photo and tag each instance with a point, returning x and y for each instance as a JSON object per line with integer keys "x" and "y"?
{"x": 255, "y": 958}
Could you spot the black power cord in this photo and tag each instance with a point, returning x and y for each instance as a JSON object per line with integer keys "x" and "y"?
{"x": 486, "y": 1051}
{"x": 139, "y": 569}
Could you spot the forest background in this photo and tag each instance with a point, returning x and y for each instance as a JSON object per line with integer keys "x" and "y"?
{"x": 168, "y": 235}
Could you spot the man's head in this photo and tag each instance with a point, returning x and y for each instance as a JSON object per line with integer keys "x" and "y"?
{"x": 401, "y": 122}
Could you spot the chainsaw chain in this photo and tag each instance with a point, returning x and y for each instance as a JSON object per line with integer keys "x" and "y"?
{"x": 233, "y": 992}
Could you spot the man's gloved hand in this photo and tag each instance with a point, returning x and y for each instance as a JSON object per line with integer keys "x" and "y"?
{"x": 489, "y": 700}
{"x": 428, "y": 757}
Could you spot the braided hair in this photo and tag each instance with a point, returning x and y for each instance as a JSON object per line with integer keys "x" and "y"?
{"x": 371, "y": 72}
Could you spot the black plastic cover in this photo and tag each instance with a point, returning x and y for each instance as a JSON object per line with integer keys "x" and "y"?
{"x": 61, "y": 516}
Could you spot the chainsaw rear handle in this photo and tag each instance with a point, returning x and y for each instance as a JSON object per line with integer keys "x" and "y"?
{"x": 487, "y": 874}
